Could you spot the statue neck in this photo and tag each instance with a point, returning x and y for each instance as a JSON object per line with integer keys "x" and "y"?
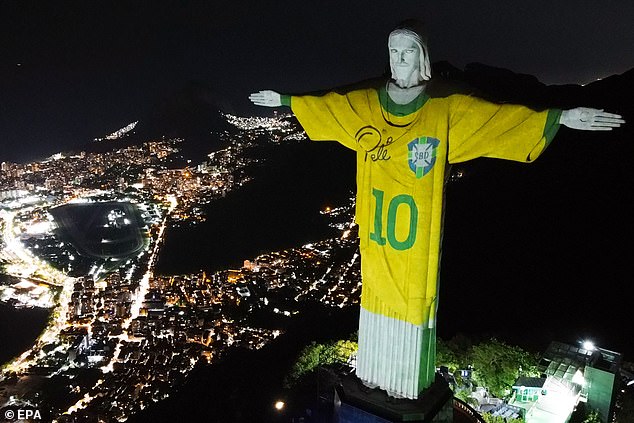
{"x": 404, "y": 95}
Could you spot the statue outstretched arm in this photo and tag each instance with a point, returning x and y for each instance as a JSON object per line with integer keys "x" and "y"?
{"x": 330, "y": 116}
{"x": 267, "y": 98}
{"x": 588, "y": 119}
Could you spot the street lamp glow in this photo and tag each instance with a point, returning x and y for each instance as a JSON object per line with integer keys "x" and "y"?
{"x": 588, "y": 345}
{"x": 279, "y": 405}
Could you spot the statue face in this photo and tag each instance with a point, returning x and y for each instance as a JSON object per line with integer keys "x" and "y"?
{"x": 404, "y": 60}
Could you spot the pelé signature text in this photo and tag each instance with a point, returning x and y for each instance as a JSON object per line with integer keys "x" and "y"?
{"x": 370, "y": 139}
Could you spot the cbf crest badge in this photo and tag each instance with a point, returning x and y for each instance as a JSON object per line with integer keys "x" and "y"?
{"x": 422, "y": 155}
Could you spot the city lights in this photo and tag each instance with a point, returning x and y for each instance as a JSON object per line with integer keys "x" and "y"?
{"x": 118, "y": 315}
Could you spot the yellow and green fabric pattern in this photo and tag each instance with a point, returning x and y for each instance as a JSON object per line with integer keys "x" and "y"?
{"x": 402, "y": 152}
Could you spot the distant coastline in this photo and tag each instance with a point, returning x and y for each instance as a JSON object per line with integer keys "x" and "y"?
{"x": 281, "y": 219}
{"x": 278, "y": 209}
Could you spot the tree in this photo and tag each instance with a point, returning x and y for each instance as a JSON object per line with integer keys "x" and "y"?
{"x": 315, "y": 355}
{"x": 342, "y": 350}
{"x": 454, "y": 354}
{"x": 445, "y": 356}
{"x": 465, "y": 395}
{"x": 489, "y": 418}
{"x": 497, "y": 365}
{"x": 593, "y": 417}
{"x": 309, "y": 359}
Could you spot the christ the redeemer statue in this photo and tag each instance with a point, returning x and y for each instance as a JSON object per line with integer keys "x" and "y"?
{"x": 404, "y": 142}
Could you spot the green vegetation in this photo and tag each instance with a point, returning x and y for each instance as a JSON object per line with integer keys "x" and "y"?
{"x": 454, "y": 354}
{"x": 593, "y": 417}
{"x": 495, "y": 365}
{"x": 464, "y": 394}
{"x": 316, "y": 355}
{"x": 499, "y": 419}
{"x": 584, "y": 414}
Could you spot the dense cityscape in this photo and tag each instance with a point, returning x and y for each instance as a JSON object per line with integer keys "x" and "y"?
{"x": 120, "y": 336}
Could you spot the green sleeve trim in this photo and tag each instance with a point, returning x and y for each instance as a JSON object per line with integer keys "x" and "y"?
{"x": 286, "y": 100}
{"x": 552, "y": 125}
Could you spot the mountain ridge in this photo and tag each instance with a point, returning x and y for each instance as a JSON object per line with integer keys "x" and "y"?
{"x": 194, "y": 112}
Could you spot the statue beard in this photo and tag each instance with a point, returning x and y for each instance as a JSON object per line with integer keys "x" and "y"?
{"x": 405, "y": 76}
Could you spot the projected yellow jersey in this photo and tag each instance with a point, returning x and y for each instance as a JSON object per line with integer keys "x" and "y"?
{"x": 402, "y": 152}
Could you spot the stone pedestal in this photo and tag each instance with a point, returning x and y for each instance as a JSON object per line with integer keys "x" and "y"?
{"x": 356, "y": 403}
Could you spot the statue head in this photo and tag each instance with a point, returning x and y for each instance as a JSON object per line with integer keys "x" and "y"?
{"x": 409, "y": 58}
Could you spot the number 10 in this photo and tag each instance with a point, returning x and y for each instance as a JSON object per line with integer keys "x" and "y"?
{"x": 377, "y": 234}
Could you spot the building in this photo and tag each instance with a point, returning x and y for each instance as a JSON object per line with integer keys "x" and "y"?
{"x": 570, "y": 374}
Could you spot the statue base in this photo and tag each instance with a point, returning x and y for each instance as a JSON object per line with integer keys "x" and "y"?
{"x": 356, "y": 403}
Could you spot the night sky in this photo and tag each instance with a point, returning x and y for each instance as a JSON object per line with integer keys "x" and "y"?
{"x": 73, "y": 71}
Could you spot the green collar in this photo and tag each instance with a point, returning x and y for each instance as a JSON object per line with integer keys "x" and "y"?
{"x": 401, "y": 109}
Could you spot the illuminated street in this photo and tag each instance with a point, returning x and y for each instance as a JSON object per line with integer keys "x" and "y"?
{"x": 118, "y": 315}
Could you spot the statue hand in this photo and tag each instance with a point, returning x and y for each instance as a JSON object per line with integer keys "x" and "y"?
{"x": 266, "y": 98}
{"x": 588, "y": 119}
